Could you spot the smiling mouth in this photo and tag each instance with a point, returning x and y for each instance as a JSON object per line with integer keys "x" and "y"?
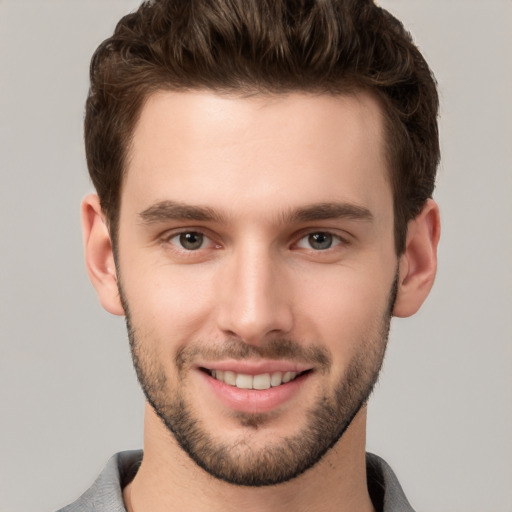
{"x": 259, "y": 382}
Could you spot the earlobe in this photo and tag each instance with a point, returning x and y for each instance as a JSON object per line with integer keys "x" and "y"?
{"x": 99, "y": 256}
{"x": 418, "y": 264}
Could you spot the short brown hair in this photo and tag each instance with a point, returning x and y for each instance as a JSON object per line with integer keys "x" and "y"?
{"x": 265, "y": 46}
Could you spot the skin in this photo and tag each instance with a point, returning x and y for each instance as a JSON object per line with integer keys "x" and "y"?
{"x": 255, "y": 162}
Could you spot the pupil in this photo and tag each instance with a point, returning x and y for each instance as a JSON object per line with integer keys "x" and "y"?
{"x": 320, "y": 241}
{"x": 191, "y": 241}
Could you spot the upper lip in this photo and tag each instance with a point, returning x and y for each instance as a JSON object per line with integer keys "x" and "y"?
{"x": 256, "y": 367}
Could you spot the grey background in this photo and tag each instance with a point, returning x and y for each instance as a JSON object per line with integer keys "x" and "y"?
{"x": 442, "y": 414}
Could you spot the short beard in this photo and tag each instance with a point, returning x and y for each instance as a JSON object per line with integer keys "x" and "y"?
{"x": 238, "y": 463}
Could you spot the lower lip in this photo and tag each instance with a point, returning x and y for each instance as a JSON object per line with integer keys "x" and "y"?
{"x": 253, "y": 400}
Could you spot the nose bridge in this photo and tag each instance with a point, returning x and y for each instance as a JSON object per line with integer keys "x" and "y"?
{"x": 254, "y": 302}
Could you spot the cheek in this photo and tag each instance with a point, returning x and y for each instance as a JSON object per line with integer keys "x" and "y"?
{"x": 344, "y": 308}
{"x": 170, "y": 305}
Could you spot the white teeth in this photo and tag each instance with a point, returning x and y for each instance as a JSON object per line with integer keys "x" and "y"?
{"x": 243, "y": 381}
{"x": 288, "y": 376}
{"x": 230, "y": 378}
{"x": 261, "y": 381}
{"x": 276, "y": 379}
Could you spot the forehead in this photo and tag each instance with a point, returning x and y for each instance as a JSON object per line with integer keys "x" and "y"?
{"x": 230, "y": 152}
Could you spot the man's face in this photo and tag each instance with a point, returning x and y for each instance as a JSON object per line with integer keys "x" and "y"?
{"x": 256, "y": 250}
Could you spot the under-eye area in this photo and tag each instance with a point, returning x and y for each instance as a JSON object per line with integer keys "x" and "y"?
{"x": 259, "y": 382}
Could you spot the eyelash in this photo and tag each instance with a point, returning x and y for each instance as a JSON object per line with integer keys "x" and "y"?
{"x": 335, "y": 239}
{"x": 332, "y": 237}
{"x": 167, "y": 239}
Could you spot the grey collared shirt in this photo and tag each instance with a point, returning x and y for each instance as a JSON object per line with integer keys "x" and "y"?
{"x": 106, "y": 494}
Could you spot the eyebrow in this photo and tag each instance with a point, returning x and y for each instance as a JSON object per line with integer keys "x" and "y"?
{"x": 172, "y": 210}
{"x": 325, "y": 211}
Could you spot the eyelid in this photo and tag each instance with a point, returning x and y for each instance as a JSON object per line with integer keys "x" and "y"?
{"x": 336, "y": 240}
{"x": 166, "y": 238}
{"x": 342, "y": 239}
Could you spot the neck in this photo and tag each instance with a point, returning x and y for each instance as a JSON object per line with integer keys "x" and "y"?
{"x": 169, "y": 480}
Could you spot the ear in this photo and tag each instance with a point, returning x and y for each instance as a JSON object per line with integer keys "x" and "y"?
{"x": 418, "y": 264}
{"x": 99, "y": 256}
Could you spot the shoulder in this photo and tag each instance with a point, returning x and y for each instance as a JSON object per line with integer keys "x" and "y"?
{"x": 385, "y": 490}
{"x": 106, "y": 493}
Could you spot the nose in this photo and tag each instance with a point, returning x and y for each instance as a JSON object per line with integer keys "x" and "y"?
{"x": 254, "y": 299}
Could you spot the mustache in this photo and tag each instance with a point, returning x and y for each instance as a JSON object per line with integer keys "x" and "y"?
{"x": 274, "y": 349}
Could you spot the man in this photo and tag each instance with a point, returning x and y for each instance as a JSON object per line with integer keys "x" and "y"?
{"x": 264, "y": 173}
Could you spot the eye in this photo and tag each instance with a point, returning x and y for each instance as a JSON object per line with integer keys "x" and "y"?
{"x": 319, "y": 241}
{"x": 190, "y": 240}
